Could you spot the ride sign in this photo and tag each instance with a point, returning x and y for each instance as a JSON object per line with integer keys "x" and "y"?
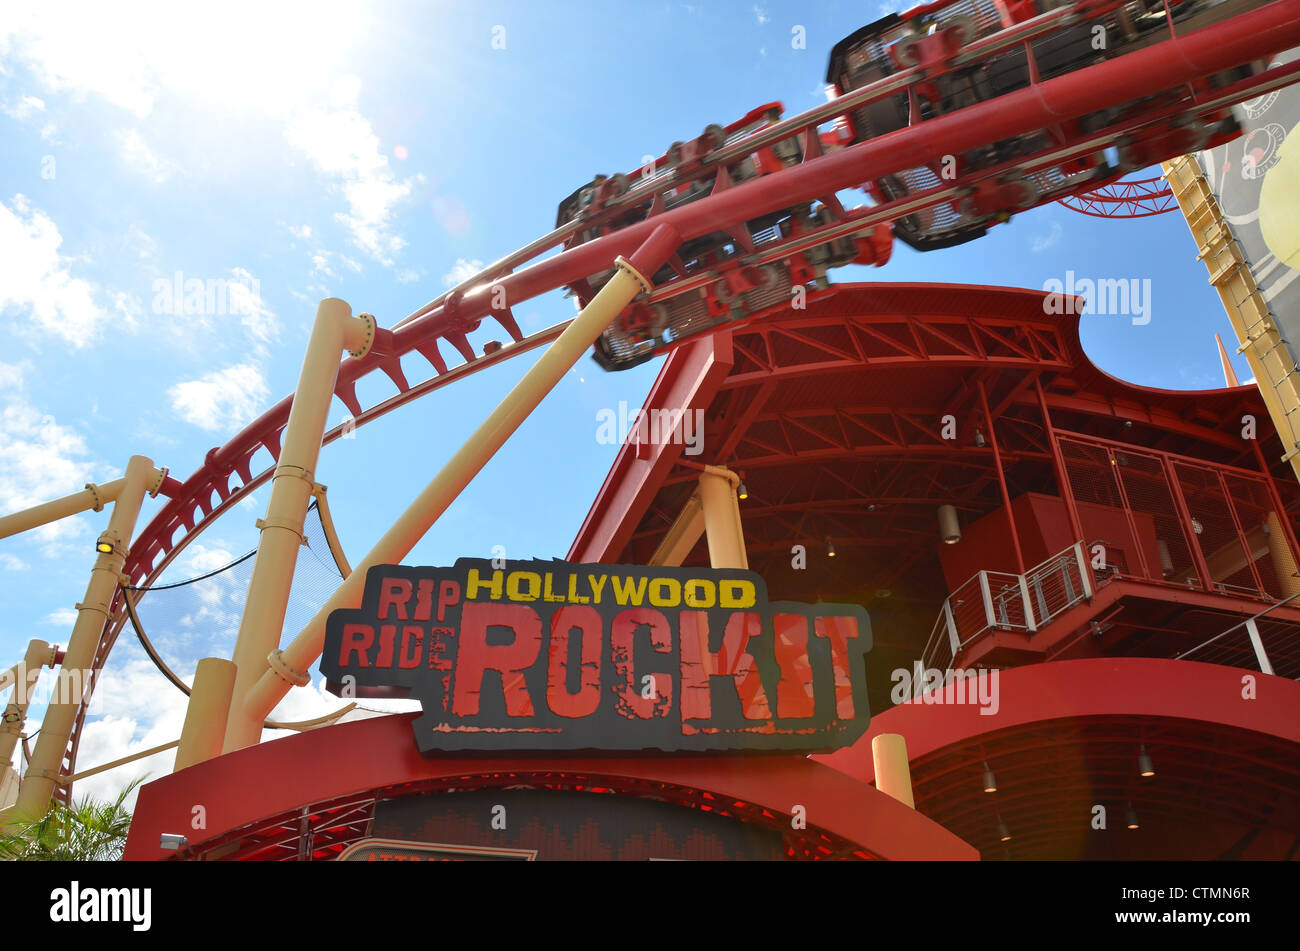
{"x": 548, "y": 655}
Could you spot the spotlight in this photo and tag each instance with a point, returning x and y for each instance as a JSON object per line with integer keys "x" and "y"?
{"x": 1004, "y": 834}
{"x": 1131, "y": 818}
{"x": 104, "y": 548}
{"x": 990, "y": 783}
{"x": 979, "y": 439}
{"x": 173, "y": 842}
{"x": 949, "y": 527}
{"x": 1145, "y": 766}
{"x": 741, "y": 491}
{"x": 830, "y": 549}
{"x": 1197, "y": 527}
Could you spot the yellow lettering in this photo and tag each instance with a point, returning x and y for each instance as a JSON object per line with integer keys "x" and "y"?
{"x": 661, "y": 600}
{"x": 737, "y": 594}
{"x": 631, "y": 590}
{"x": 574, "y": 597}
{"x": 700, "y": 593}
{"x": 534, "y": 585}
{"x": 473, "y": 583}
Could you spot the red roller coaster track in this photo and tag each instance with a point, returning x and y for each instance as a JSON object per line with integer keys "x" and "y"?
{"x": 1177, "y": 108}
{"x": 1138, "y": 198}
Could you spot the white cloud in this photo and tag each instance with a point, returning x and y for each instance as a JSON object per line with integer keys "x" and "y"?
{"x": 340, "y": 142}
{"x": 35, "y": 278}
{"x": 26, "y": 107}
{"x": 301, "y": 232}
{"x": 461, "y": 271}
{"x": 63, "y": 617}
{"x": 132, "y": 55}
{"x": 761, "y": 15}
{"x": 137, "y": 154}
{"x": 244, "y": 297}
{"x": 221, "y": 400}
{"x": 39, "y": 460}
{"x": 1044, "y": 241}
{"x": 12, "y": 562}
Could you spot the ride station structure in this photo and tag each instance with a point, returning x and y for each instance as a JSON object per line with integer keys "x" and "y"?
{"x": 937, "y": 587}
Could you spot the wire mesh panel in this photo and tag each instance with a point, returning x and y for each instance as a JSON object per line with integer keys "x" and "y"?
{"x": 199, "y": 616}
{"x": 1252, "y": 506}
{"x": 1214, "y": 525}
{"x": 1147, "y": 491}
{"x": 1097, "y": 492}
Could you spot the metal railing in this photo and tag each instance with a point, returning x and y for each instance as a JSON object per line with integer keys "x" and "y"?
{"x": 1254, "y": 644}
{"x": 1002, "y": 601}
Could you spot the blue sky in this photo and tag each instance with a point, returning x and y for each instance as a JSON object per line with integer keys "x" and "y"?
{"x": 308, "y": 150}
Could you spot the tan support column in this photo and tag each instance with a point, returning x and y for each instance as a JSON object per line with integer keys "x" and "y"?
{"x": 893, "y": 774}
{"x": 23, "y": 677}
{"x": 1284, "y": 565}
{"x": 91, "y": 497}
{"x": 682, "y": 535}
{"x": 260, "y": 625}
{"x": 209, "y": 708}
{"x": 92, "y": 614}
{"x": 722, "y": 526}
{"x": 629, "y": 280}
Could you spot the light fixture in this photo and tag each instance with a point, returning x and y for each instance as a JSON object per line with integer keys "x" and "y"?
{"x": 104, "y": 548}
{"x": 980, "y": 440}
{"x": 172, "y": 842}
{"x": 1128, "y": 424}
{"x": 1197, "y": 527}
{"x": 830, "y": 549}
{"x": 1131, "y": 818}
{"x": 949, "y": 527}
{"x": 990, "y": 783}
{"x": 1004, "y": 834}
{"x": 741, "y": 491}
{"x": 1166, "y": 559}
{"x": 1145, "y": 766}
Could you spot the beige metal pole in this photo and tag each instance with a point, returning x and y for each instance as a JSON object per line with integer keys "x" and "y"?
{"x": 893, "y": 774}
{"x": 288, "y": 666}
{"x": 260, "y": 625}
{"x": 39, "y": 654}
{"x": 207, "y": 713}
{"x": 722, "y": 526}
{"x": 91, "y": 497}
{"x": 92, "y": 614}
{"x": 682, "y": 535}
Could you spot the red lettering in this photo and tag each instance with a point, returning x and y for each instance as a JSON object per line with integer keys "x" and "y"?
{"x": 586, "y": 623}
{"x": 699, "y": 665}
{"x": 387, "y": 634}
{"x": 357, "y": 639}
{"x": 475, "y": 656}
{"x": 838, "y": 630}
{"x": 394, "y": 592}
{"x": 794, "y": 691}
{"x": 622, "y": 636}
{"x": 423, "y": 600}
{"x": 448, "y": 595}
{"x": 412, "y": 646}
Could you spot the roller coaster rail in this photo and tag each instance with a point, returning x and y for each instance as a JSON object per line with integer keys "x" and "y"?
{"x": 1175, "y": 113}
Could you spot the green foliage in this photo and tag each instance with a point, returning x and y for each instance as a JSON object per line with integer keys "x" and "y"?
{"x": 87, "y": 831}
